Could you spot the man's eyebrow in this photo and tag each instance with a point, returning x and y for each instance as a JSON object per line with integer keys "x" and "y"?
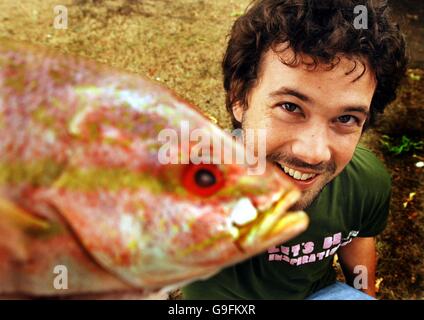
{"x": 296, "y": 93}
{"x": 290, "y": 91}
{"x": 361, "y": 109}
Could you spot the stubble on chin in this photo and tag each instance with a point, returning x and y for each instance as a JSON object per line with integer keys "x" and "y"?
{"x": 305, "y": 200}
{"x": 309, "y": 196}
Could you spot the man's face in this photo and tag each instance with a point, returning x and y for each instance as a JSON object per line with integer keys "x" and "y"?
{"x": 313, "y": 118}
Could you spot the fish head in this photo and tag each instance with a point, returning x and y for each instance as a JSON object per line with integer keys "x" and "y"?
{"x": 179, "y": 206}
{"x": 223, "y": 211}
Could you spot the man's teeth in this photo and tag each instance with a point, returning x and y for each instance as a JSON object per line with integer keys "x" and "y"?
{"x": 297, "y": 174}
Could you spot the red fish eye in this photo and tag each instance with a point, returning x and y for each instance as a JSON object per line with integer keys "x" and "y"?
{"x": 202, "y": 179}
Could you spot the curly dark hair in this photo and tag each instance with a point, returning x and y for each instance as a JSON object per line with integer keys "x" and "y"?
{"x": 322, "y": 30}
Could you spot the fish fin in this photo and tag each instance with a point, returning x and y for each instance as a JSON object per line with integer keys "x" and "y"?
{"x": 11, "y": 212}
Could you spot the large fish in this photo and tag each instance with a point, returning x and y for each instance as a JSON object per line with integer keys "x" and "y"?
{"x": 87, "y": 208}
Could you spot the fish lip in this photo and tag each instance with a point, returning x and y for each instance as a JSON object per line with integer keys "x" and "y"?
{"x": 258, "y": 230}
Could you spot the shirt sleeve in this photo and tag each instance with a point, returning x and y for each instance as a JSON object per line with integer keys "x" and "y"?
{"x": 375, "y": 215}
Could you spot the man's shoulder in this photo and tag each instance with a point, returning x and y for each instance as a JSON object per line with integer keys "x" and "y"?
{"x": 359, "y": 197}
{"x": 367, "y": 172}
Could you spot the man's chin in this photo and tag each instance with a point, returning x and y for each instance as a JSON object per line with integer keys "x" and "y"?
{"x": 308, "y": 196}
{"x": 303, "y": 203}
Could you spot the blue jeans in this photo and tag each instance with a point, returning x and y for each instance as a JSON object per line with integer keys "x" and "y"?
{"x": 339, "y": 291}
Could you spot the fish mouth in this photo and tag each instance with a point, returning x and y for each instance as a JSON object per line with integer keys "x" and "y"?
{"x": 274, "y": 225}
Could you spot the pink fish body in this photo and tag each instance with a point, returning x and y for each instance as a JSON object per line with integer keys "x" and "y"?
{"x": 82, "y": 189}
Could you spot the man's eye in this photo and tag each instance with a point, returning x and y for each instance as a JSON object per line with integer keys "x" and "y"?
{"x": 290, "y": 107}
{"x": 347, "y": 119}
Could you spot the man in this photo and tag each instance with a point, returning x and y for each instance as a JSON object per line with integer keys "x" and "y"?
{"x": 314, "y": 79}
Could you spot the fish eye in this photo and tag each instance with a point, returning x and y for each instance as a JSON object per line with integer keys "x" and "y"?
{"x": 202, "y": 179}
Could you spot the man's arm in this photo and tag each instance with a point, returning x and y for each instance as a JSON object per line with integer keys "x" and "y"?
{"x": 360, "y": 251}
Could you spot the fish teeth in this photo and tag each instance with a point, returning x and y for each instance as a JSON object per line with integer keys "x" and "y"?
{"x": 297, "y": 174}
{"x": 243, "y": 212}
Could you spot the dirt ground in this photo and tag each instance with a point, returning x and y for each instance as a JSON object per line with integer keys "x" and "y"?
{"x": 180, "y": 43}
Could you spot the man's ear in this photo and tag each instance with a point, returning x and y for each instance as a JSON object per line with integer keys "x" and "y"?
{"x": 238, "y": 111}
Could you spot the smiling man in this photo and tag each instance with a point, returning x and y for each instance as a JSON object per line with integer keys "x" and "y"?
{"x": 302, "y": 71}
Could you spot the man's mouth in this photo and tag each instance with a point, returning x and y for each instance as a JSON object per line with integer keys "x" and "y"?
{"x": 301, "y": 179}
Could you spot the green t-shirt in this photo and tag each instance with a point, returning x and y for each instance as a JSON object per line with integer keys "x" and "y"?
{"x": 355, "y": 203}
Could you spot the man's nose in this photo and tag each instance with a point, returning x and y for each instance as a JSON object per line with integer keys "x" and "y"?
{"x": 312, "y": 146}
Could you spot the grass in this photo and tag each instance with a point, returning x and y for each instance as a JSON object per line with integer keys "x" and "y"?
{"x": 180, "y": 43}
